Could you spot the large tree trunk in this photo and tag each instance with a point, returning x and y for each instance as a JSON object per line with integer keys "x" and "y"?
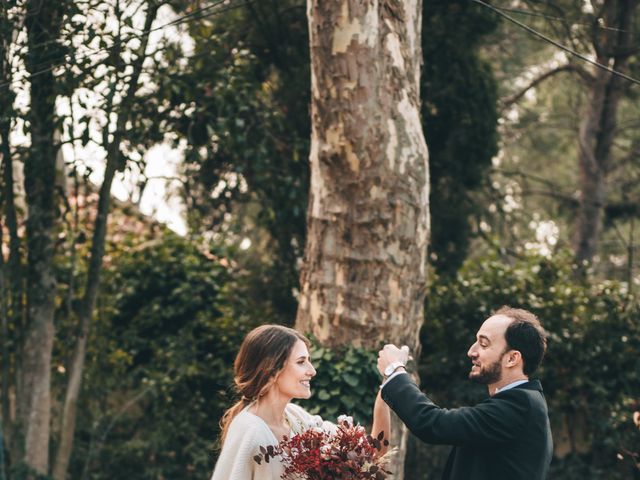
{"x": 114, "y": 161}
{"x": 368, "y": 219}
{"x": 598, "y": 127}
{"x": 43, "y": 25}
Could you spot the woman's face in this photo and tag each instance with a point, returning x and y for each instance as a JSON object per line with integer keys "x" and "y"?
{"x": 294, "y": 379}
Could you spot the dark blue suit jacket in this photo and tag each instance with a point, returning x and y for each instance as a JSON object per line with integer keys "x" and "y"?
{"x": 507, "y": 436}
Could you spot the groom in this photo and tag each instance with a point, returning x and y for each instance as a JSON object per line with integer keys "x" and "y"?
{"x": 506, "y": 436}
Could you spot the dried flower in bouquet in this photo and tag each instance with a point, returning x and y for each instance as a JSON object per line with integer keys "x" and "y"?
{"x": 315, "y": 454}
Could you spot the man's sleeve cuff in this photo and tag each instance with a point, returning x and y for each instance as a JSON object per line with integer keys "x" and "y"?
{"x": 393, "y": 375}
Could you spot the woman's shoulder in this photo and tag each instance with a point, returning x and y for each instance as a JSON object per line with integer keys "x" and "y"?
{"x": 245, "y": 425}
{"x": 245, "y": 418}
{"x": 246, "y": 434}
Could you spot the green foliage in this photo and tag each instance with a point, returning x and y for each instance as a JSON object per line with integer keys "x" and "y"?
{"x": 590, "y": 373}
{"x": 161, "y": 365}
{"x": 459, "y": 119}
{"x": 21, "y": 471}
{"x": 172, "y": 320}
{"x": 346, "y": 383}
{"x": 241, "y": 105}
{"x": 538, "y": 170}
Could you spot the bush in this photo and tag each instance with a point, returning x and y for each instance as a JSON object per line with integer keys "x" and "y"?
{"x": 590, "y": 373}
{"x": 171, "y": 319}
{"x": 170, "y": 323}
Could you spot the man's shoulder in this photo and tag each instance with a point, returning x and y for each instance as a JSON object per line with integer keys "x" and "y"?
{"x": 529, "y": 394}
{"x": 532, "y": 385}
{"x": 522, "y": 390}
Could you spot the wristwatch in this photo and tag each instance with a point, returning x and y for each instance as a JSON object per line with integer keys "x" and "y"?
{"x": 392, "y": 367}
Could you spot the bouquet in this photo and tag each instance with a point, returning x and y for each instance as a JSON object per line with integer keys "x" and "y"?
{"x": 316, "y": 454}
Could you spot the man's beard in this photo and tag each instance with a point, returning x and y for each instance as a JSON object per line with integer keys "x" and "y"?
{"x": 489, "y": 375}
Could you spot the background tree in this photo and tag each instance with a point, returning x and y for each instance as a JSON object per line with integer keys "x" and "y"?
{"x": 11, "y": 269}
{"x": 115, "y": 160}
{"x": 599, "y": 126}
{"x": 43, "y": 22}
{"x": 61, "y": 73}
{"x": 569, "y": 136}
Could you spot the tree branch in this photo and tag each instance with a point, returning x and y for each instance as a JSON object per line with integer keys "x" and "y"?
{"x": 586, "y": 76}
{"x": 531, "y": 176}
{"x": 567, "y": 199}
{"x": 618, "y": 210}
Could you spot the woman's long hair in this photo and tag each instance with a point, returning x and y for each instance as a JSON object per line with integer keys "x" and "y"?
{"x": 261, "y": 358}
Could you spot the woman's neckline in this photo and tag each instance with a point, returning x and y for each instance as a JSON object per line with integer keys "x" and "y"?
{"x": 286, "y": 416}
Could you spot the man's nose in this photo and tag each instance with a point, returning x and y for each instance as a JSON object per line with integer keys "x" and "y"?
{"x": 472, "y": 351}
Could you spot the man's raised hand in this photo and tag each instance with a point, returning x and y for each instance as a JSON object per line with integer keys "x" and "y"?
{"x": 390, "y": 354}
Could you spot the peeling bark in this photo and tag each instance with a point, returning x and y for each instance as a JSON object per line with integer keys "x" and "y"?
{"x": 363, "y": 276}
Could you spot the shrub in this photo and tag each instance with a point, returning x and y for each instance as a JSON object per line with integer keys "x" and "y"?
{"x": 169, "y": 325}
{"x": 590, "y": 373}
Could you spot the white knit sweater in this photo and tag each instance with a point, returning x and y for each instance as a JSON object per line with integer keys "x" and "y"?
{"x": 247, "y": 432}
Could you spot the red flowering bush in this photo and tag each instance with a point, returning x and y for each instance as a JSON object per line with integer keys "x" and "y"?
{"x": 347, "y": 454}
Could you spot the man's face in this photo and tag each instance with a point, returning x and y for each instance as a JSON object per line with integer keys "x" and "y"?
{"x": 487, "y": 351}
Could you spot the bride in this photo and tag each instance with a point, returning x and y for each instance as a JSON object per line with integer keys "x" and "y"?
{"x": 272, "y": 368}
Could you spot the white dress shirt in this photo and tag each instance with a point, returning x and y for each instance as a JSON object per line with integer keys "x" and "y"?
{"x": 511, "y": 385}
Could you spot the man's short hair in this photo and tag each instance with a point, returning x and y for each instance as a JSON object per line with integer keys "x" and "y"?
{"x": 526, "y": 335}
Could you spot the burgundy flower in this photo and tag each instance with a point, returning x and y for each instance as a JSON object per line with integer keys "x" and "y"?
{"x": 315, "y": 454}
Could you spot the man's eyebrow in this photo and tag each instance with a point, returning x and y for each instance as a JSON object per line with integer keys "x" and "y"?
{"x": 484, "y": 337}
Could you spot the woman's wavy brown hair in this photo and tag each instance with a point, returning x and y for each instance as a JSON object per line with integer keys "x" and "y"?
{"x": 260, "y": 360}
